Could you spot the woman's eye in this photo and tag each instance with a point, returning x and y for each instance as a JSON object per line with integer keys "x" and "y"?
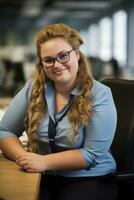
{"x": 48, "y": 60}
{"x": 63, "y": 56}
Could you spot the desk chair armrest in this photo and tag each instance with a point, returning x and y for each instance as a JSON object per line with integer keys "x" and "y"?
{"x": 125, "y": 176}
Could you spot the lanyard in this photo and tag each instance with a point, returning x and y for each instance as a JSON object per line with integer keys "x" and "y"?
{"x": 52, "y": 129}
{"x": 51, "y": 134}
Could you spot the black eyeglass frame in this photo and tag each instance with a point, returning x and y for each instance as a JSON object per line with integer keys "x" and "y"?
{"x": 56, "y": 59}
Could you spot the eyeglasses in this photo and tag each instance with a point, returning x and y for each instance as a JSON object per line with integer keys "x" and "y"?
{"x": 63, "y": 57}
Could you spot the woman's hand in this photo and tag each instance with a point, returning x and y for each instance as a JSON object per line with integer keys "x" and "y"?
{"x": 31, "y": 162}
{"x": 65, "y": 160}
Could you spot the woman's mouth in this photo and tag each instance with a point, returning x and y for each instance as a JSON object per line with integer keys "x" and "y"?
{"x": 58, "y": 72}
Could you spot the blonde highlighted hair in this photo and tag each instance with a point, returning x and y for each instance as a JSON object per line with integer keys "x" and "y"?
{"x": 80, "y": 112}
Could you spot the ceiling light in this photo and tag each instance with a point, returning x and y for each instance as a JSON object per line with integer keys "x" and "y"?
{"x": 83, "y": 4}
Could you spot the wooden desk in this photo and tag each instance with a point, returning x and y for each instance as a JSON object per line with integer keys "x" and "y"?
{"x": 16, "y": 184}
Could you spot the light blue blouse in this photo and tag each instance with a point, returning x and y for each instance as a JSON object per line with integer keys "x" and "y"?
{"x": 94, "y": 141}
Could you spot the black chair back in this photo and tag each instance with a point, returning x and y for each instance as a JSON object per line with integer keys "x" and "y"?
{"x": 123, "y": 144}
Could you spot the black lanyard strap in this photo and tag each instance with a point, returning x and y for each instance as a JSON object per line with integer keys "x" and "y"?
{"x": 52, "y": 129}
{"x": 51, "y": 134}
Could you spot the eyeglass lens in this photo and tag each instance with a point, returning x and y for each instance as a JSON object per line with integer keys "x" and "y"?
{"x": 63, "y": 57}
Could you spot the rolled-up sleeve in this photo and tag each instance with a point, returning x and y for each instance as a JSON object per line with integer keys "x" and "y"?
{"x": 100, "y": 132}
{"x": 12, "y": 123}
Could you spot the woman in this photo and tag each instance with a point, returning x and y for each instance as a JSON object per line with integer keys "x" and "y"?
{"x": 70, "y": 119}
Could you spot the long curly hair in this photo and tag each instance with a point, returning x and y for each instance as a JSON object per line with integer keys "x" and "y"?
{"x": 81, "y": 109}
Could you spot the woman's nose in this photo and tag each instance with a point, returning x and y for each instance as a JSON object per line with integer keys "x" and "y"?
{"x": 57, "y": 64}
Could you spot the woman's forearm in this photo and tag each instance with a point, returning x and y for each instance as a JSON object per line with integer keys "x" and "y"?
{"x": 67, "y": 160}
{"x": 12, "y": 147}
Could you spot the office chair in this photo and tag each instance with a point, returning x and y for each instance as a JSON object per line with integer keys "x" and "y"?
{"x": 123, "y": 145}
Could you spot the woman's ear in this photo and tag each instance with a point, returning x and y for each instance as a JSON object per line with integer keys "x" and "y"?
{"x": 77, "y": 54}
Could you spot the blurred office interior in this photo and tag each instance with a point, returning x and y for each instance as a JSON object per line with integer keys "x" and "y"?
{"x": 107, "y": 28}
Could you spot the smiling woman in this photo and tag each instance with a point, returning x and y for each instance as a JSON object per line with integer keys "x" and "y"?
{"x": 70, "y": 120}
{"x": 62, "y": 57}
{"x": 62, "y": 62}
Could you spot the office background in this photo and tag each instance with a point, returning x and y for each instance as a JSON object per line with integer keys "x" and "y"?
{"x": 106, "y": 26}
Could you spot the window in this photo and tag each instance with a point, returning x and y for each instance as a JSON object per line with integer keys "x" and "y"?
{"x": 120, "y": 36}
{"x": 93, "y": 40}
{"x": 105, "y": 39}
{"x": 85, "y": 46}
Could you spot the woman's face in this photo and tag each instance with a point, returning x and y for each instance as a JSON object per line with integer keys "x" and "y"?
{"x": 59, "y": 61}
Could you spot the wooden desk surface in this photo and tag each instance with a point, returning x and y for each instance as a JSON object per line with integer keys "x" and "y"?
{"x": 16, "y": 184}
